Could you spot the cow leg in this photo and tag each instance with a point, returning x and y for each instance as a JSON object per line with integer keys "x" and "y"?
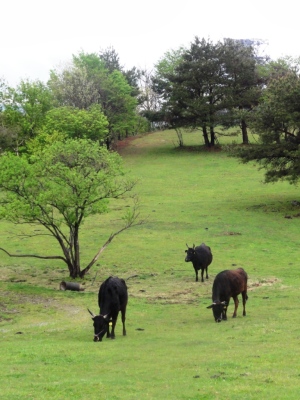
{"x": 202, "y": 272}
{"x": 244, "y": 295}
{"x": 107, "y": 332}
{"x": 236, "y": 304}
{"x": 206, "y": 273}
{"x": 224, "y": 312}
{"x": 123, "y": 312}
{"x": 112, "y": 335}
{"x": 196, "y": 274}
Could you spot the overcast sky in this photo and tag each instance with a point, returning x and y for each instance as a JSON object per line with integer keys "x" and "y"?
{"x": 39, "y": 35}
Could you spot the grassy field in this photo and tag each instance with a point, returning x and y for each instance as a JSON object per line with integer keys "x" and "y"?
{"x": 173, "y": 348}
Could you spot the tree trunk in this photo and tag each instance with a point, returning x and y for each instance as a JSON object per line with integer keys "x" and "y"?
{"x": 73, "y": 269}
{"x": 179, "y": 136}
{"x": 76, "y": 251}
{"x": 244, "y": 132}
{"x": 205, "y": 136}
{"x": 212, "y": 136}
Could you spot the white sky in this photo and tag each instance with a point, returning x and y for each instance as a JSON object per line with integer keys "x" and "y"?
{"x": 39, "y": 35}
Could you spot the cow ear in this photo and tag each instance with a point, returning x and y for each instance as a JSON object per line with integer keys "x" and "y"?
{"x": 211, "y": 306}
{"x": 224, "y": 303}
{"x": 185, "y": 251}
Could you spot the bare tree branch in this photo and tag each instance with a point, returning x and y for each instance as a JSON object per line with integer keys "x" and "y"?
{"x": 131, "y": 223}
{"x": 35, "y": 256}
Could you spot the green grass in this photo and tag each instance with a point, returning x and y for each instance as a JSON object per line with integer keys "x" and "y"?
{"x": 173, "y": 348}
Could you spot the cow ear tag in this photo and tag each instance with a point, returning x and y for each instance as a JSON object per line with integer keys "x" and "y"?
{"x": 110, "y": 324}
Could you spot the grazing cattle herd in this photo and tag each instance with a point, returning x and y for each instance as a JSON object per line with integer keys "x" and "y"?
{"x": 113, "y": 295}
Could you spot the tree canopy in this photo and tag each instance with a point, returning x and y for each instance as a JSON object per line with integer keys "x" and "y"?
{"x": 58, "y": 188}
{"x": 23, "y": 113}
{"x": 277, "y": 122}
{"x": 206, "y": 84}
{"x": 97, "y": 79}
{"x": 74, "y": 123}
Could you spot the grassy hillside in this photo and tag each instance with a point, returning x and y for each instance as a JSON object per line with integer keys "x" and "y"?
{"x": 173, "y": 348}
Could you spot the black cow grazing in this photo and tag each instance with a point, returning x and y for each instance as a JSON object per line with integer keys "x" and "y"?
{"x": 229, "y": 283}
{"x": 201, "y": 257}
{"x": 112, "y": 298}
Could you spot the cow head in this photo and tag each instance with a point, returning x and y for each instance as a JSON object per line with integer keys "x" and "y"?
{"x": 219, "y": 310}
{"x": 101, "y": 323}
{"x": 190, "y": 253}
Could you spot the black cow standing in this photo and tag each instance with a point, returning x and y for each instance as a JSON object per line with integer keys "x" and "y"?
{"x": 112, "y": 298}
{"x": 229, "y": 283}
{"x": 201, "y": 257}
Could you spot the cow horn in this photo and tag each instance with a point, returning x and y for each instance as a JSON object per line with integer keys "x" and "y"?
{"x": 211, "y": 306}
{"x": 193, "y": 245}
{"x": 91, "y": 313}
{"x": 187, "y": 246}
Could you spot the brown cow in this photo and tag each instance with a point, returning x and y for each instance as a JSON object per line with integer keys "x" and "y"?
{"x": 228, "y": 283}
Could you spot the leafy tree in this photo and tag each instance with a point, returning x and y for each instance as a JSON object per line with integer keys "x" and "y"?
{"x": 277, "y": 122}
{"x": 244, "y": 83}
{"x": 59, "y": 188}
{"x": 165, "y": 67}
{"x": 274, "y": 69}
{"x": 97, "y": 85}
{"x": 210, "y": 84}
{"x": 74, "y": 123}
{"x": 121, "y": 106}
{"x": 133, "y": 77}
{"x": 157, "y": 94}
{"x": 115, "y": 93}
{"x": 112, "y": 62}
{"x": 111, "y": 59}
{"x": 24, "y": 112}
{"x": 196, "y": 89}
{"x": 73, "y": 86}
{"x": 150, "y": 101}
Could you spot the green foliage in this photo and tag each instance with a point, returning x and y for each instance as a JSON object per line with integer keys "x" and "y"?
{"x": 209, "y": 84}
{"x": 89, "y": 82}
{"x": 111, "y": 59}
{"x": 74, "y": 87}
{"x": 59, "y": 187}
{"x": 44, "y": 139}
{"x": 24, "y": 113}
{"x": 165, "y": 68}
{"x": 77, "y": 123}
{"x": 121, "y": 106}
{"x": 277, "y": 121}
{"x": 244, "y": 84}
